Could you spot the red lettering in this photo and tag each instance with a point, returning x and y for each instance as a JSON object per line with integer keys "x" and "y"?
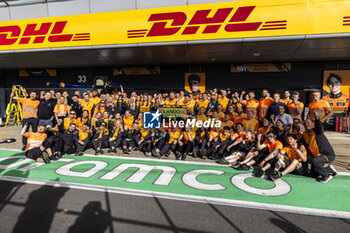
{"x": 159, "y": 29}
{"x": 15, "y": 31}
{"x": 240, "y": 15}
{"x": 201, "y": 17}
{"x": 58, "y": 29}
{"x": 39, "y": 33}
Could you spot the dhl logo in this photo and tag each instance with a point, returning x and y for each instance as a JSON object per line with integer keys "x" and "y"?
{"x": 346, "y": 21}
{"x": 9, "y": 35}
{"x": 176, "y": 22}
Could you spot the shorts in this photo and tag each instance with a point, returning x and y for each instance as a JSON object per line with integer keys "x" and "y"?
{"x": 262, "y": 154}
{"x": 34, "y": 153}
{"x": 300, "y": 171}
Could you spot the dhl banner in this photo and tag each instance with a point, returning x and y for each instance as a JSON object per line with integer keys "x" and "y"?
{"x": 336, "y": 89}
{"x": 262, "y": 67}
{"x": 221, "y": 20}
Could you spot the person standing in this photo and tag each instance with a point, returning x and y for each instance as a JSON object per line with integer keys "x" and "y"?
{"x": 30, "y": 112}
{"x": 45, "y": 110}
{"x": 319, "y": 107}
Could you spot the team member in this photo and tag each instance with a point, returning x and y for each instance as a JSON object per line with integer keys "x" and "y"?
{"x": 201, "y": 142}
{"x": 286, "y": 99}
{"x": 264, "y": 104}
{"x": 295, "y": 107}
{"x": 172, "y": 144}
{"x": 269, "y": 146}
{"x": 250, "y": 123}
{"x": 273, "y": 109}
{"x": 159, "y": 141}
{"x": 36, "y": 144}
{"x": 61, "y": 109}
{"x": 100, "y": 139}
{"x": 45, "y": 110}
{"x": 70, "y": 138}
{"x": 30, "y": 112}
{"x": 321, "y": 150}
{"x": 84, "y": 139}
{"x": 291, "y": 158}
{"x": 245, "y": 146}
{"x": 319, "y": 107}
{"x": 186, "y": 142}
{"x": 116, "y": 137}
{"x": 128, "y": 120}
{"x": 71, "y": 119}
{"x": 284, "y": 117}
{"x": 251, "y": 104}
{"x": 86, "y": 104}
{"x": 336, "y": 99}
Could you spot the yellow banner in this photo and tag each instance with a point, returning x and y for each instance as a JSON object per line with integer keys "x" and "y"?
{"x": 225, "y": 20}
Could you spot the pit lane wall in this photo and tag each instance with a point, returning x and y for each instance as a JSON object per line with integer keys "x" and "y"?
{"x": 87, "y": 23}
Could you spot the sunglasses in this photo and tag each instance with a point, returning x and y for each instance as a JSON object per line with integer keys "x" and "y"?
{"x": 71, "y": 113}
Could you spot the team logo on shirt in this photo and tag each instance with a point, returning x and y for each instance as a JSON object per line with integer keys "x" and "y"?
{"x": 151, "y": 120}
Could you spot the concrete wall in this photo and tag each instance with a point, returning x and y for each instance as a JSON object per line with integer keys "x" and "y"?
{"x": 74, "y": 7}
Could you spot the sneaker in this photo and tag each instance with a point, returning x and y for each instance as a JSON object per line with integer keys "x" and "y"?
{"x": 148, "y": 154}
{"x": 183, "y": 157}
{"x": 101, "y": 151}
{"x": 243, "y": 167}
{"x": 114, "y": 150}
{"x": 96, "y": 152}
{"x": 59, "y": 154}
{"x": 235, "y": 165}
{"x": 222, "y": 161}
{"x": 167, "y": 154}
{"x": 23, "y": 148}
{"x": 46, "y": 158}
{"x": 275, "y": 177}
{"x": 325, "y": 179}
{"x": 259, "y": 173}
{"x": 53, "y": 158}
{"x": 80, "y": 153}
{"x": 334, "y": 172}
{"x": 109, "y": 150}
{"x": 125, "y": 152}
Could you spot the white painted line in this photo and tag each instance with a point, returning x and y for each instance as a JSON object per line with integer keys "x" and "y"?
{"x": 190, "y": 198}
{"x": 338, "y": 138}
{"x": 157, "y": 160}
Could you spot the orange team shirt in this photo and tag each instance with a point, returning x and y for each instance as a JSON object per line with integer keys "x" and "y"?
{"x": 223, "y": 102}
{"x": 80, "y": 121}
{"x": 128, "y": 121}
{"x": 144, "y": 133}
{"x": 221, "y": 116}
{"x": 83, "y": 135}
{"x": 173, "y": 136}
{"x": 35, "y": 140}
{"x": 87, "y": 106}
{"x": 213, "y": 134}
{"x": 224, "y": 137}
{"x": 170, "y": 103}
{"x": 252, "y": 124}
{"x": 30, "y": 107}
{"x": 285, "y": 101}
{"x": 292, "y": 153}
{"x": 321, "y": 107}
{"x": 227, "y": 123}
{"x": 240, "y": 118}
{"x": 338, "y": 104}
{"x": 272, "y": 147}
{"x": 67, "y": 121}
{"x": 263, "y": 130}
{"x": 190, "y": 105}
{"x": 186, "y": 138}
{"x": 263, "y": 108}
{"x": 252, "y": 105}
{"x": 61, "y": 110}
{"x": 203, "y": 104}
{"x": 145, "y": 107}
{"x": 293, "y": 110}
{"x": 238, "y": 135}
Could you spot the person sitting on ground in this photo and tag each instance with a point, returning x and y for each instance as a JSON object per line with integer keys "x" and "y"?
{"x": 246, "y": 146}
{"x": 290, "y": 158}
{"x": 85, "y": 135}
{"x": 36, "y": 145}
{"x": 116, "y": 137}
{"x": 100, "y": 139}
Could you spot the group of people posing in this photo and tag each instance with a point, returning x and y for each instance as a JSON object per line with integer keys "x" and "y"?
{"x": 268, "y": 132}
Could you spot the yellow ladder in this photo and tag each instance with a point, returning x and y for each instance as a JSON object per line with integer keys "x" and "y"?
{"x": 14, "y": 109}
